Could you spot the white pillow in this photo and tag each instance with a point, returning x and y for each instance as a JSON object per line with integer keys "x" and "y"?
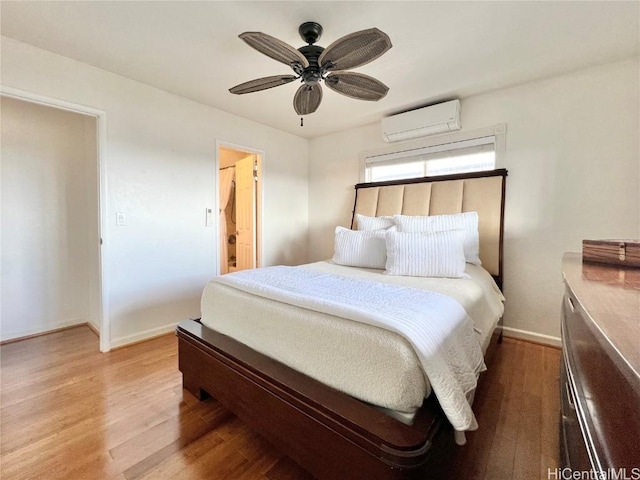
{"x": 360, "y": 248}
{"x": 437, "y": 254}
{"x": 373, "y": 223}
{"x": 467, "y": 221}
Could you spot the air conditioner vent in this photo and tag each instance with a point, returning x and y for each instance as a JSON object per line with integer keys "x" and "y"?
{"x": 440, "y": 118}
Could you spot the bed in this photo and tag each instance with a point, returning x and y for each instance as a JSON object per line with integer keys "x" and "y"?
{"x": 331, "y": 433}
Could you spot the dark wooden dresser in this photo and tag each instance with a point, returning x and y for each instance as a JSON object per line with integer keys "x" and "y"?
{"x": 600, "y": 372}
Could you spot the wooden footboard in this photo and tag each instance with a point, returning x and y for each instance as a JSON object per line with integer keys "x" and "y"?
{"x": 329, "y": 433}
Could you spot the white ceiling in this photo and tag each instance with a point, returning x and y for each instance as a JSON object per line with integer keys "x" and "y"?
{"x": 441, "y": 50}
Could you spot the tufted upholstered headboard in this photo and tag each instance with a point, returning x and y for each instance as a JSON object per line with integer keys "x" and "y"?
{"x": 481, "y": 192}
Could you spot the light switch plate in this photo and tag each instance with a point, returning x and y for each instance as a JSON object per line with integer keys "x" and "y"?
{"x": 121, "y": 219}
{"x": 208, "y": 219}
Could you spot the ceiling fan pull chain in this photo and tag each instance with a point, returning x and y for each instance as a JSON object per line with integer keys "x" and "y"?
{"x": 301, "y": 122}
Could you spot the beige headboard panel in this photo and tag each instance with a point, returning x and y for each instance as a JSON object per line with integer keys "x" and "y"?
{"x": 481, "y": 192}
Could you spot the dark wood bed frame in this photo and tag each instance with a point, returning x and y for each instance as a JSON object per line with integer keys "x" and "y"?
{"x": 329, "y": 433}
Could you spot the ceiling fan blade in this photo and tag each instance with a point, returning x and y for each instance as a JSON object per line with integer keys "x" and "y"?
{"x": 274, "y": 48}
{"x": 307, "y": 99}
{"x": 262, "y": 84}
{"x": 355, "y": 49}
{"x": 356, "y": 85}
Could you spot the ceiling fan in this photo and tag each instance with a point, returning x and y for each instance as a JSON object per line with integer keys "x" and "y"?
{"x": 313, "y": 64}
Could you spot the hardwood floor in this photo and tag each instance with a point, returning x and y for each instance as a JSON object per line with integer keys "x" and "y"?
{"x": 70, "y": 412}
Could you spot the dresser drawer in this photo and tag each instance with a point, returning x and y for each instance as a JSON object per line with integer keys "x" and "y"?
{"x": 602, "y": 392}
{"x": 573, "y": 451}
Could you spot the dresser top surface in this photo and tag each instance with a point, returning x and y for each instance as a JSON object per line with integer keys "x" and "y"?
{"x": 611, "y": 297}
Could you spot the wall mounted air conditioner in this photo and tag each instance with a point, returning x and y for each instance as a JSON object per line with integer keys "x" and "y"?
{"x": 440, "y": 118}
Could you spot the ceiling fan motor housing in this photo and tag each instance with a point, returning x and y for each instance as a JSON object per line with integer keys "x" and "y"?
{"x": 311, "y": 75}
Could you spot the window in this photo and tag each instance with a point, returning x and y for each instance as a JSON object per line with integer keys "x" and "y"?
{"x": 476, "y": 152}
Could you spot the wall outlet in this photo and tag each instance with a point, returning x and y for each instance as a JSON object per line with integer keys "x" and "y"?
{"x": 121, "y": 219}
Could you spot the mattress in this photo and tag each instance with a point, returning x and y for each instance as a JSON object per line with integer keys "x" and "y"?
{"x": 369, "y": 363}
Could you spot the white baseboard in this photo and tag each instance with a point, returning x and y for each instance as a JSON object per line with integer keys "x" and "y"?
{"x": 141, "y": 336}
{"x": 50, "y": 328}
{"x": 94, "y": 328}
{"x": 532, "y": 336}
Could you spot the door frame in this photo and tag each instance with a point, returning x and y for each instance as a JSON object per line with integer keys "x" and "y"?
{"x": 216, "y": 200}
{"x": 101, "y": 158}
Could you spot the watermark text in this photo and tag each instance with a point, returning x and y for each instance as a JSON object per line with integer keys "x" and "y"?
{"x": 608, "y": 474}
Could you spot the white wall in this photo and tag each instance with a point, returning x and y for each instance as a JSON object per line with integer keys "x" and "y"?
{"x": 573, "y": 155}
{"x": 49, "y": 192}
{"x": 160, "y": 152}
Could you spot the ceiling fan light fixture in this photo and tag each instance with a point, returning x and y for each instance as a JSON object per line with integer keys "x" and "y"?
{"x": 312, "y": 64}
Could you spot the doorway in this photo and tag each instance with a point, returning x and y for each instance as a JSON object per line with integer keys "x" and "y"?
{"x": 240, "y": 187}
{"x": 51, "y": 222}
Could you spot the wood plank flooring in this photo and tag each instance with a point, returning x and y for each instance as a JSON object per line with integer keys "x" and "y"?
{"x": 70, "y": 412}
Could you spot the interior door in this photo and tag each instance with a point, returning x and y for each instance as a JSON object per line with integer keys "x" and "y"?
{"x": 245, "y": 214}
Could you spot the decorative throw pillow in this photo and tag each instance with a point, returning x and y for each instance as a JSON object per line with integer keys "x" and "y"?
{"x": 437, "y": 254}
{"x": 467, "y": 221}
{"x": 360, "y": 248}
{"x": 373, "y": 223}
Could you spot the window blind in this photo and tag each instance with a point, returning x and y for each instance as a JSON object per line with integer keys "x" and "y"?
{"x": 455, "y": 157}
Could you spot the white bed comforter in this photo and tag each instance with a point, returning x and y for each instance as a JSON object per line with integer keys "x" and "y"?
{"x": 449, "y": 351}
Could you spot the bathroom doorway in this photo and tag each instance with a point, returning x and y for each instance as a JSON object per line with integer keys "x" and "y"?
{"x": 240, "y": 192}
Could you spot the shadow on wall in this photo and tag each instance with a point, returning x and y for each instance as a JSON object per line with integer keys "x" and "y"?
{"x": 141, "y": 321}
{"x": 323, "y": 235}
{"x": 295, "y": 249}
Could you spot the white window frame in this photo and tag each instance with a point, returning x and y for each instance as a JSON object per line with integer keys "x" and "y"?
{"x": 451, "y": 141}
